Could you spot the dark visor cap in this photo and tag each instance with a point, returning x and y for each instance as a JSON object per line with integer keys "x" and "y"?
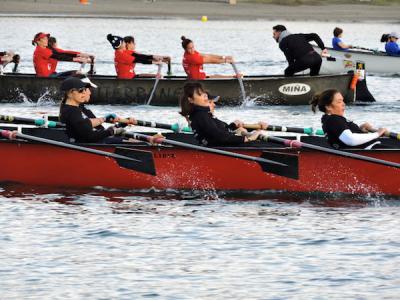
{"x": 72, "y": 83}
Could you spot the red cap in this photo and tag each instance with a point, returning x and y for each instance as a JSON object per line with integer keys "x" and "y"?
{"x": 40, "y": 35}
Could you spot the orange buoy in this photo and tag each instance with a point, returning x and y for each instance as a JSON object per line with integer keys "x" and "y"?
{"x": 354, "y": 82}
{"x": 84, "y": 2}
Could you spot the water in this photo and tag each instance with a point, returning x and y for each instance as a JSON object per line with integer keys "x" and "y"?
{"x": 108, "y": 244}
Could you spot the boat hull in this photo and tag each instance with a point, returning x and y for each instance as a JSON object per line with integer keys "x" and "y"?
{"x": 179, "y": 168}
{"x": 375, "y": 63}
{"x": 263, "y": 90}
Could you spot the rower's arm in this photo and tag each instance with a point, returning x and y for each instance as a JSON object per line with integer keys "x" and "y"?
{"x": 315, "y": 37}
{"x": 143, "y": 58}
{"x": 355, "y": 139}
{"x": 62, "y": 56}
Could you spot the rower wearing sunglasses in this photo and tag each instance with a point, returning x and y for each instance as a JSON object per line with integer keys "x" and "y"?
{"x": 82, "y": 126}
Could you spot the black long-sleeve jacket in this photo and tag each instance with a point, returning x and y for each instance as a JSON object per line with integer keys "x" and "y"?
{"x": 210, "y": 131}
{"x": 295, "y": 46}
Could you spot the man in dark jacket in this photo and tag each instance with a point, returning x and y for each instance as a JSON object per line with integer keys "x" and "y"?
{"x": 298, "y": 51}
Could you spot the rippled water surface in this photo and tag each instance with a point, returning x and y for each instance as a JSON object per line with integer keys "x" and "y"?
{"x": 107, "y": 244}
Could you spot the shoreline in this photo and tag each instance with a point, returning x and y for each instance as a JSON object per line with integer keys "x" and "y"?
{"x": 185, "y": 9}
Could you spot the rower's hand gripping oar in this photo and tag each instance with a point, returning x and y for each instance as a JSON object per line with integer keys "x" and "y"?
{"x": 287, "y": 168}
{"x": 158, "y": 76}
{"x": 141, "y": 161}
{"x": 298, "y": 144}
{"x": 239, "y": 77}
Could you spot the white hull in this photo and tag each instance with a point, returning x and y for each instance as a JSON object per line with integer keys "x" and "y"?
{"x": 375, "y": 63}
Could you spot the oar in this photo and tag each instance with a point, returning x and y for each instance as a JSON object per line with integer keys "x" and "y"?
{"x": 92, "y": 71}
{"x": 288, "y": 169}
{"x": 37, "y": 122}
{"x": 308, "y": 130}
{"x": 16, "y": 59}
{"x": 240, "y": 81}
{"x": 141, "y": 161}
{"x": 298, "y": 144}
{"x": 367, "y": 49}
{"x": 174, "y": 127}
{"x": 158, "y": 76}
{"x": 169, "y": 72}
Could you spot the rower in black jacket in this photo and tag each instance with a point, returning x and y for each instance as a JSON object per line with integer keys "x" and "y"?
{"x": 208, "y": 130}
{"x": 298, "y": 51}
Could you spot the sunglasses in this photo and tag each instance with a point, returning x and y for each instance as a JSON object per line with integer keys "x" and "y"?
{"x": 81, "y": 90}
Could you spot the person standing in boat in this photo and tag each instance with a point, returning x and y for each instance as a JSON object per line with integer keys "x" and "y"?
{"x": 42, "y": 56}
{"x": 342, "y": 133}
{"x": 337, "y": 42}
{"x": 298, "y": 51}
{"x": 391, "y": 47}
{"x": 53, "y": 46}
{"x": 125, "y": 60}
{"x": 208, "y": 130}
{"x": 82, "y": 126}
{"x": 193, "y": 61}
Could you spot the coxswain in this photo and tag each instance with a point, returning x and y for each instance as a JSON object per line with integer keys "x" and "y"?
{"x": 53, "y": 46}
{"x": 193, "y": 61}
{"x": 42, "y": 56}
{"x": 391, "y": 46}
{"x": 125, "y": 60}
{"x": 82, "y": 126}
{"x": 337, "y": 42}
{"x": 342, "y": 133}
{"x": 208, "y": 130}
{"x": 298, "y": 51}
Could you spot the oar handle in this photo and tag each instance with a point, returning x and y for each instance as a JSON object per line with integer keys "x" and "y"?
{"x": 308, "y": 130}
{"x": 37, "y": 122}
{"x": 169, "y": 72}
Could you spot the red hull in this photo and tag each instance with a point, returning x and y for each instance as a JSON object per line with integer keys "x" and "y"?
{"x": 36, "y": 164}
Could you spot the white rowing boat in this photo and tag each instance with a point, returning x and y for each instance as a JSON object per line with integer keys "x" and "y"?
{"x": 376, "y": 62}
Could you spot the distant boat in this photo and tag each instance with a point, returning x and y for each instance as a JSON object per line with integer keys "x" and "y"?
{"x": 262, "y": 90}
{"x": 376, "y": 62}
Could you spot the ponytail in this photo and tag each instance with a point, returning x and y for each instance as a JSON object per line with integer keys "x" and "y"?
{"x": 323, "y": 99}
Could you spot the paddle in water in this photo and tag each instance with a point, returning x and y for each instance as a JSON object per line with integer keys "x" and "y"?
{"x": 298, "y": 144}
{"x": 239, "y": 77}
{"x": 287, "y": 166}
{"x": 141, "y": 161}
{"x": 158, "y": 76}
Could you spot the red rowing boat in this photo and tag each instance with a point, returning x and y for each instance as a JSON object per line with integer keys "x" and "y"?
{"x": 178, "y": 168}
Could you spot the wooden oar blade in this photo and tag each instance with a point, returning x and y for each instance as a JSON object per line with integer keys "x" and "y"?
{"x": 145, "y": 163}
{"x": 291, "y": 160}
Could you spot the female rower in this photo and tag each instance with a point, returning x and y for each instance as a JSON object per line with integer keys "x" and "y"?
{"x": 81, "y": 124}
{"x": 208, "y": 130}
{"x": 342, "y": 133}
{"x": 193, "y": 62}
{"x": 53, "y": 46}
{"x": 125, "y": 60}
{"x": 337, "y": 42}
{"x": 141, "y": 58}
{"x": 42, "y": 55}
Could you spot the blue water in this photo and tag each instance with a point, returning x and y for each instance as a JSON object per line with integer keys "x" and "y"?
{"x": 107, "y": 244}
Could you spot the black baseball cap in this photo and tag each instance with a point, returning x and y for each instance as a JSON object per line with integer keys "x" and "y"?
{"x": 73, "y": 83}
